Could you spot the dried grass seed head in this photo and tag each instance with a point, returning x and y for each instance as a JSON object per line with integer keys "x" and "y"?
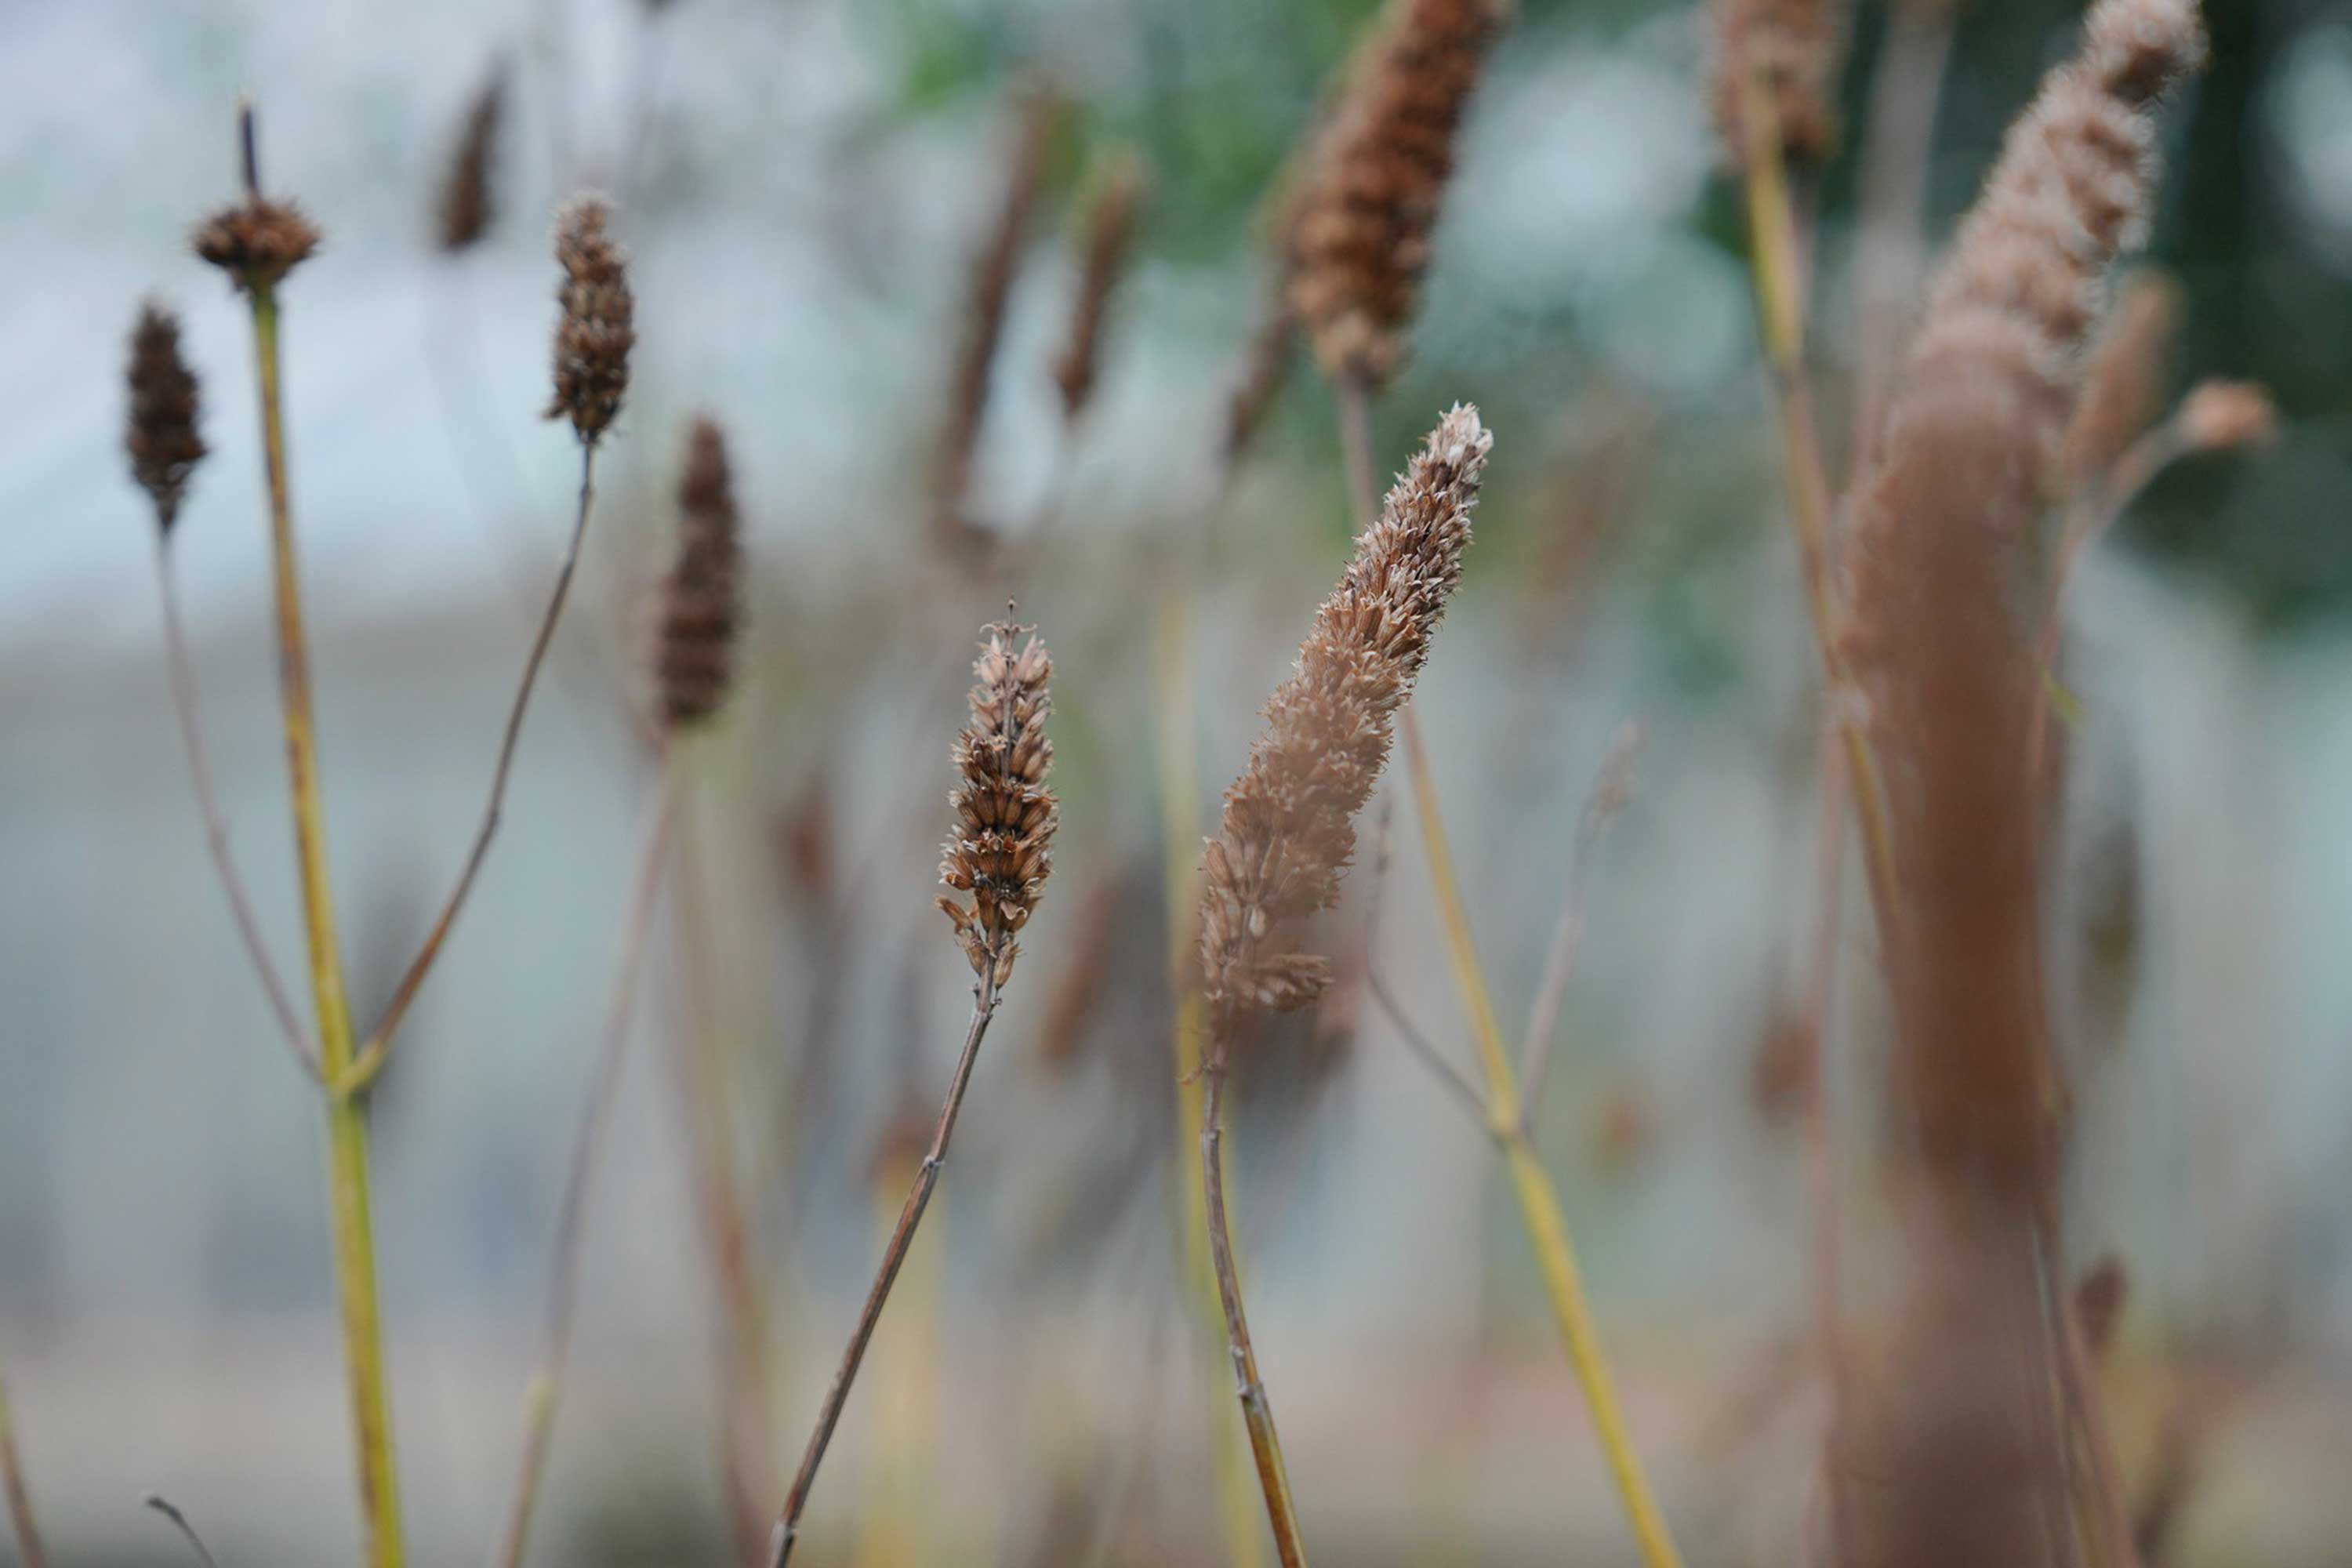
{"x": 2228, "y": 415}
{"x": 1358, "y": 228}
{"x": 1288, "y": 829}
{"x": 1110, "y": 227}
{"x": 694, "y": 660}
{"x": 1794, "y": 49}
{"x": 597, "y": 327}
{"x": 257, "y": 242}
{"x": 467, "y": 204}
{"x": 999, "y": 852}
{"x": 160, "y": 431}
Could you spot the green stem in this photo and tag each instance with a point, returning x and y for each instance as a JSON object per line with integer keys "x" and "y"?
{"x": 347, "y": 1133}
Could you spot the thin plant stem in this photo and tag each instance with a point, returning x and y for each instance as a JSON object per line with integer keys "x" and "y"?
{"x": 20, "y": 1495}
{"x": 371, "y": 1058}
{"x": 1778, "y": 252}
{"x": 1818, "y": 1128}
{"x": 179, "y": 1521}
{"x": 1441, "y": 1067}
{"x": 1257, "y": 1413}
{"x": 546, "y": 1388}
{"x": 1356, "y": 450}
{"x": 1600, "y": 803}
{"x": 894, "y": 1254}
{"x": 347, "y": 1129}
{"x": 1538, "y": 1204}
{"x": 184, "y": 704}
{"x": 1179, "y": 810}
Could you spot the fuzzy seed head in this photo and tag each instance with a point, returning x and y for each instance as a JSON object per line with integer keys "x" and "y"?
{"x": 1359, "y": 226}
{"x": 160, "y": 432}
{"x": 257, "y": 242}
{"x": 597, "y": 326}
{"x": 2124, "y": 383}
{"x": 694, "y": 661}
{"x": 467, "y": 207}
{"x": 2228, "y": 415}
{"x": 1288, "y": 830}
{"x": 1793, "y": 50}
{"x": 1110, "y": 234}
{"x": 999, "y": 851}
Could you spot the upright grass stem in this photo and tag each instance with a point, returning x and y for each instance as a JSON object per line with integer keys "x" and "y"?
{"x": 347, "y": 1129}
{"x": 547, "y": 1385}
{"x": 1179, "y": 810}
{"x": 1257, "y": 1413}
{"x": 20, "y": 1495}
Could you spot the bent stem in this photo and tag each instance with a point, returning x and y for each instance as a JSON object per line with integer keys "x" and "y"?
{"x": 1538, "y": 1203}
{"x": 1273, "y": 1475}
{"x": 370, "y": 1060}
{"x": 185, "y": 706}
{"x": 894, "y": 1254}
{"x": 546, "y": 1389}
{"x": 346, "y": 1131}
{"x": 20, "y": 1497}
{"x": 1179, "y": 810}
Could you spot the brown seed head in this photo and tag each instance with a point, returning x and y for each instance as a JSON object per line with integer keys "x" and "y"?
{"x": 596, "y": 330}
{"x": 1357, "y": 227}
{"x": 160, "y": 431}
{"x": 1111, "y": 235}
{"x": 999, "y": 851}
{"x": 1289, "y": 820}
{"x": 2123, "y": 386}
{"x": 257, "y": 242}
{"x": 467, "y": 207}
{"x": 992, "y": 286}
{"x": 694, "y": 662}
{"x": 2224, "y": 415}
{"x": 1941, "y": 588}
{"x": 1794, "y": 49}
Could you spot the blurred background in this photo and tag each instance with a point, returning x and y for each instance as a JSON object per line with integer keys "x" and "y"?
{"x": 804, "y": 186}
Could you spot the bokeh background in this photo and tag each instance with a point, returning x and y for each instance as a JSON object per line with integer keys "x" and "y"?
{"x": 803, "y": 184}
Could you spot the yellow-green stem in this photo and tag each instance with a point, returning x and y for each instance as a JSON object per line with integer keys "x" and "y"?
{"x": 347, "y": 1134}
{"x": 1179, "y": 810}
{"x": 1538, "y": 1203}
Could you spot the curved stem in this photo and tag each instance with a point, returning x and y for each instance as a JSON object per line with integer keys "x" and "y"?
{"x": 546, "y": 1388}
{"x": 1538, "y": 1204}
{"x": 20, "y": 1497}
{"x": 1273, "y": 1478}
{"x": 877, "y": 1295}
{"x": 347, "y": 1134}
{"x": 185, "y": 706}
{"x": 371, "y": 1058}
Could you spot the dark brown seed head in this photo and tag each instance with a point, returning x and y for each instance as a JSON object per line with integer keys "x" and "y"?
{"x": 160, "y": 432}
{"x": 257, "y": 242}
{"x": 695, "y": 659}
{"x": 596, "y": 330}
{"x": 1357, "y": 227}
{"x": 1793, "y": 50}
{"x": 1110, "y": 234}
{"x": 467, "y": 207}
{"x": 999, "y": 851}
{"x": 1289, "y": 831}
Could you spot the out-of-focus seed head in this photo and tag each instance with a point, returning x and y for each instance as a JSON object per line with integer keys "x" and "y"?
{"x": 2224, "y": 415}
{"x": 467, "y": 204}
{"x": 597, "y": 326}
{"x": 700, "y": 604}
{"x": 997, "y": 854}
{"x": 257, "y": 242}
{"x": 1110, "y": 221}
{"x": 1793, "y": 50}
{"x": 160, "y": 432}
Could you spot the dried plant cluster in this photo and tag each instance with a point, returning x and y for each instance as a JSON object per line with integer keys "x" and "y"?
{"x": 257, "y": 242}
{"x": 1111, "y": 235}
{"x": 1793, "y": 50}
{"x": 1289, "y": 829}
{"x": 694, "y": 659}
{"x": 1000, "y": 849}
{"x": 467, "y": 207}
{"x": 597, "y": 327}
{"x": 160, "y": 434}
{"x": 1359, "y": 226}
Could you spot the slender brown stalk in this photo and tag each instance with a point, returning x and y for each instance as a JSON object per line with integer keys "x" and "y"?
{"x": 20, "y": 1495}
{"x": 370, "y": 1058}
{"x": 547, "y": 1383}
{"x": 1606, "y": 799}
{"x": 179, "y": 1522}
{"x": 998, "y": 854}
{"x": 894, "y": 1254}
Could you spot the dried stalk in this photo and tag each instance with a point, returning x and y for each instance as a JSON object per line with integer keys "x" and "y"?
{"x": 547, "y": 1383}
{"x": 1601, "y": 804}
{"x": 179, "y": 1521}
{"x": 20, "y": 1495}
{"x": 185, "y": 706}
